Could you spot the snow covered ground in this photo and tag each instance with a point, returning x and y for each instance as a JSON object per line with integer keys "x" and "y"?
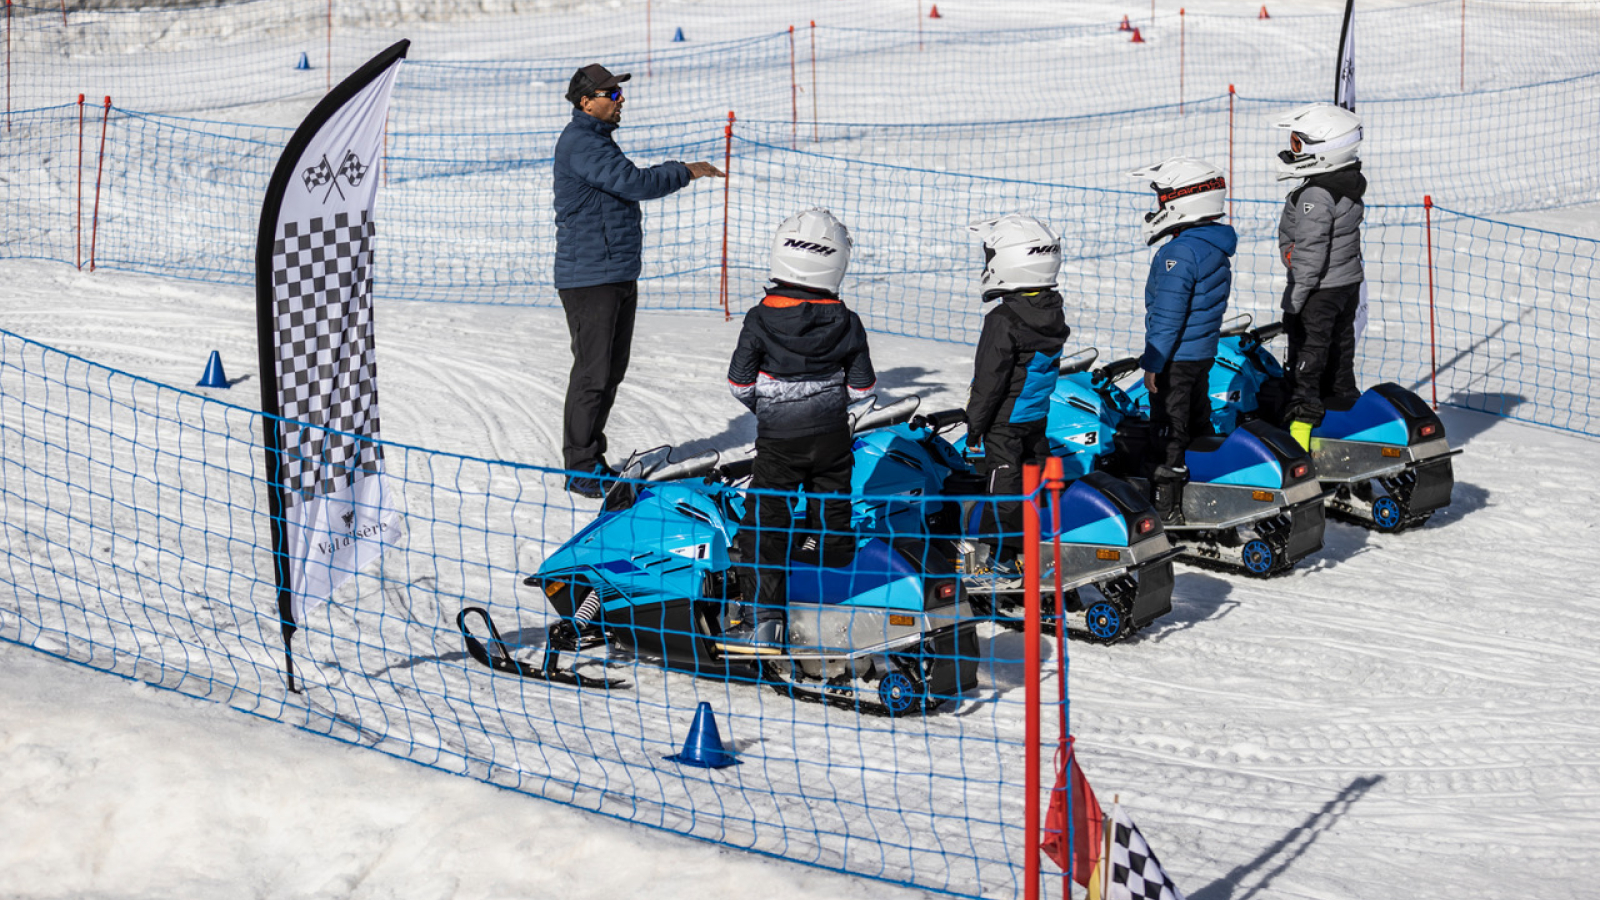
{"x": 1411, "y": 715}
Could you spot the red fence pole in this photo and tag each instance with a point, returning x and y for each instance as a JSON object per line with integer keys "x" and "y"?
{"x": 94, "y": 222}
{"x": 63, "y": 13}
{"x": 1230, "y": 152}
{"x": 813, "y": 80}
{"x": 1055, "y": 482}
{"x": 727, "y": 170}
{"x": 1433, "y": 347}
{"x": 80, "y": 183}
{"x": 794, "y": 96}
{"x": 1030, "y": 679}
{"x": 8, "y": 65}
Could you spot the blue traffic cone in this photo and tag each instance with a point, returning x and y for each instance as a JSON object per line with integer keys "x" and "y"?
{"x": 703, "y": 747}
{"x": 305, "y": 61}
{"x": 678, "y": 38}
{"x": 214, "y": 376}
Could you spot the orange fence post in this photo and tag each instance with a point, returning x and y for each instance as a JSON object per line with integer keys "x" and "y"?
{"x": 1433, "y": 346}
{"x": 1030, "y": 679}
{"x": 727, "y": 169}
{"x": 1230, "y": 151}
{"x": 94, "y": 222}
{"x": 813, "y": 80}
{"x": 1055, "y": 482}
{"x": 79, "y": 227}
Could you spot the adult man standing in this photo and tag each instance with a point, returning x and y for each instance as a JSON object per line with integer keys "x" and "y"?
{"x": 599, "y": 247}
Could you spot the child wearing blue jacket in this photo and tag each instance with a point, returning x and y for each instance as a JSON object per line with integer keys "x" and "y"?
{"x": 1185, "y": 299}
{"x": 1015, "y": 368}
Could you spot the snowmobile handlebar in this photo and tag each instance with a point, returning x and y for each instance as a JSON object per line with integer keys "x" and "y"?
{"x": 739, "y": 468}
{"x": 1267, "y": 332}
{"x": 939, "y": 421}
{"x": 883, "y": 416}
{"x": 1115, "y": 369}
{"x": 690, "y": 468}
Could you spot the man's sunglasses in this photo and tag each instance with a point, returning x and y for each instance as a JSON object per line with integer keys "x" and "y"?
{"x": 613, "y": 95}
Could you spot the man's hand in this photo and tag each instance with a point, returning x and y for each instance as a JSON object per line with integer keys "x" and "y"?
{"x": 703, "y": 170}
{"x": 1150, "y": 382}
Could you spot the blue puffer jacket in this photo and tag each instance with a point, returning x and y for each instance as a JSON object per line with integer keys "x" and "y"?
{"x": 1186, "y": 295}
{"x": 599, "y": 230}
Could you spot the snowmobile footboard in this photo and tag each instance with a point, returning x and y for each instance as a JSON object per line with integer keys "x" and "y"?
{"x": 1435, "y": 481}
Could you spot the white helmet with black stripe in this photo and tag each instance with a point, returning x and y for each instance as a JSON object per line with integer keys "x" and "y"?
{"x": 811, "y": 250}
{"x": 1188, "y": 191}
{"x": 1323, "y": 137}
{"x": 1019, "y": 253}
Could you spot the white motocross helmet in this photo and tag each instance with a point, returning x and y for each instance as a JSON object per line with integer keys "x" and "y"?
{"x": 812, "y": 250}
{"x": 1019, "y": 253}
{"x": 1323, "y": 137}
{"x": 1187, "y": 191}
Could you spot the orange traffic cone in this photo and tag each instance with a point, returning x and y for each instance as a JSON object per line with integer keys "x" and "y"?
{"x": 935, "y": 13}
{"x": 1136, "y": 38}
{"x": 1263, "y": 14}
{"x": 1124, "y": 26}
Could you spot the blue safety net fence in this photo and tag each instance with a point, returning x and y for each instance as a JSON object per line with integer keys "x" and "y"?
{"x": 137, "y": 542}
{"x": 137, "y": 537}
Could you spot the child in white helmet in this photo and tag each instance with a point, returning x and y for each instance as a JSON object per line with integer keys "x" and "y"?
{"x": 1185, "y": 299}
{"x": 801, "y": 358}
{"x": 1015, "y": 369}
{"x": 1319, "y": 236}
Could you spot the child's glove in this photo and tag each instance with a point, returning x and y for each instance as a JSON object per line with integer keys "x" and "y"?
{"x": 974, "y": 446}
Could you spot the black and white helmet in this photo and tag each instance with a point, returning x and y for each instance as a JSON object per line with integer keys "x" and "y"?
{"x": 1322, "y": 138}
{"x": 811, "y": 250}
{"x": 1019, "y": 253}
{"x": 1187, "y": 191}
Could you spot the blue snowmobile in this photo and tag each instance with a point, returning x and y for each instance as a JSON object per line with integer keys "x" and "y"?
{"x": 1383, "y": 456}
{"x": 653, "y": 575}
{"x": 1116, "y": 560}
{"x": 1252, "y": 503}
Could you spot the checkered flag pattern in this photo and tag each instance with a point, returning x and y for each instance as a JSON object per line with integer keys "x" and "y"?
{"x": 1136, "y": 874}
{"x": 318, "y": 175}
{"x": 351, "y": 170}
{"x": 327, "y": 364}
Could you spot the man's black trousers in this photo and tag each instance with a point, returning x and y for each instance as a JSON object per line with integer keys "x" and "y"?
{"x": 1321, "y": 363}
{"x": 822, "y": 464}
{"x": 600, "y": 319}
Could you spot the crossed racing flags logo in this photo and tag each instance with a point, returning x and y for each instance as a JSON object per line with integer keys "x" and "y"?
{"x": 351, "y": 170}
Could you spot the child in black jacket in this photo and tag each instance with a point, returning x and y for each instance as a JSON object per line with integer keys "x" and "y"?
{"x": 802, "y": 356}
{"x": 1015, "y": 369}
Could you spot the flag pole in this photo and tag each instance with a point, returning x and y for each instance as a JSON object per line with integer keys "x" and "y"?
{"x": 1105, "y": 850}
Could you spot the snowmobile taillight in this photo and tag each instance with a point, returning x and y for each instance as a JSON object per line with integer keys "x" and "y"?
{"x": 946, "y": 590}
{"x": 1108, "y": 555}
{"x": 1300, "y": 470}
{"x": 1144, "y": 526}
{"x": 1391, "y": 452}
{"x": 1428, "y": 430}
{"x": 1263, "y": 496}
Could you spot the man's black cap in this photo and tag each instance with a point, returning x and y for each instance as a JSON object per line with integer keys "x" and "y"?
{"x": 591, "y": 79}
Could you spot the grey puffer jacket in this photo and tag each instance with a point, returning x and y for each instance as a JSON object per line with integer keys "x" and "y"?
{"x": 1319, "y": 234}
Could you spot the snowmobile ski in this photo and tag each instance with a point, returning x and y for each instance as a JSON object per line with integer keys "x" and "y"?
{"x": 496, "y": 654}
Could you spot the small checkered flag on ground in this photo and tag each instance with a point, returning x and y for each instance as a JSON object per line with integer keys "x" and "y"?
{"x": 1135, "y": 874}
